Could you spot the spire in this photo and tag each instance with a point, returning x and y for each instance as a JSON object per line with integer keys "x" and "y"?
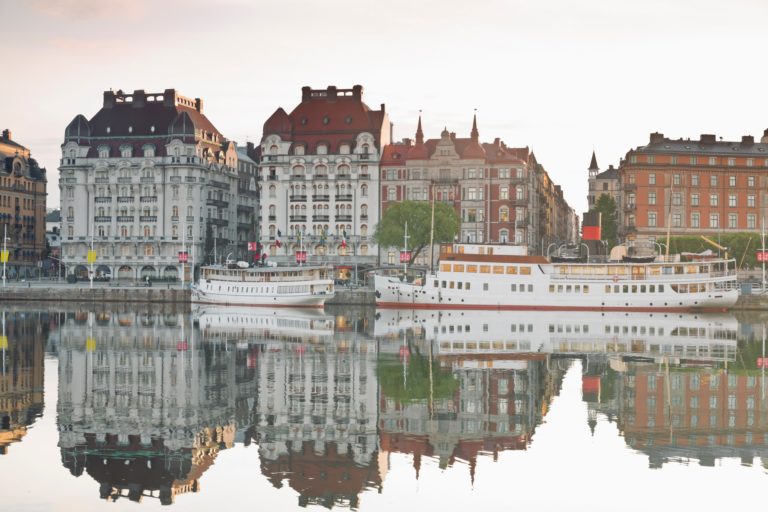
{"x": 419, "y": 133}
{"x": 593, "y": 165}
{"x": 475, "y": 134}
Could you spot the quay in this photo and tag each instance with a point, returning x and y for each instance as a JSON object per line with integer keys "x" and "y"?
{"x": 166, "y": 293}
{"x": 54, "y": 291}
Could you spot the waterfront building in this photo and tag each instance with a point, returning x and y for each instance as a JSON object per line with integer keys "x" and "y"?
{"x": 702, "y": 187}
{"x": 602, "y": 183}
{"x": 23, "y": 185}
{"x": 320, "y": 172}
{"x": 146, "y": 178}
{"x": 247, "y": 201}
{"x": 501, "y": 194}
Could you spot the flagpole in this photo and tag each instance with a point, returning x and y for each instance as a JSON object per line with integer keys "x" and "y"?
{"x": 183, "y": 249}
{"x": 405, "y": 250}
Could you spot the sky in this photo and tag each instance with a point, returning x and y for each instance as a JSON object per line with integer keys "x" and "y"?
{"x": 561, "y": 77}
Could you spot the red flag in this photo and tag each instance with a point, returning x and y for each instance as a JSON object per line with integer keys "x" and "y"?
{"x": 343, "y": 243}
{"x": 252, "y": 246}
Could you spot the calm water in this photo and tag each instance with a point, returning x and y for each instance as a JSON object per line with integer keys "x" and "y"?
{"x": 123, "y": 407}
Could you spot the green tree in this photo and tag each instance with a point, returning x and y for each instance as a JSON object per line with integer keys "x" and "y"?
{"x": 608, "y": 218}
{"x": 418, "y": 214}
{"x": 412, "y": 380}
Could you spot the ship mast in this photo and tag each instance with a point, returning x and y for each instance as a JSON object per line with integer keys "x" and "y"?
{"x": 432, "y": 237}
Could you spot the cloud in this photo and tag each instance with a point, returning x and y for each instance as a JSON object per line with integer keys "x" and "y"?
{"x": 87, "y": 10}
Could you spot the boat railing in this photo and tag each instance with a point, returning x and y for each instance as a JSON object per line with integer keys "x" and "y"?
{"x": 639, "y": 277}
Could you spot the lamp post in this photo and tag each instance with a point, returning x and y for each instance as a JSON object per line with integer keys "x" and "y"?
{"x": 4, "y": 254}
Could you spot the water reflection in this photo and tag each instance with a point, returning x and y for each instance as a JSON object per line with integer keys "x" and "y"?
{"x": 148, "y": 399}
{"x": 22, "y": 349}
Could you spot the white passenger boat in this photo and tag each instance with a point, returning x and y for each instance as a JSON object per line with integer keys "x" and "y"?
{"x": 475, "y": 276}
{"x": 306, "y": 286}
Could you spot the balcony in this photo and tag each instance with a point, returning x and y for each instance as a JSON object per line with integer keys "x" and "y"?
{"x": 102, "y": 180}
{"x": 364, "y": 176}
{"x": 217, "y": 203}
{"x": 190, "y": 179}
{"x": 298, "y": 218}
{"x": 321, "y": 177}
{"x": 218, "y": 222}
{"x": 148, "y": 199}
{"x": 147, "y": 179}
{"x": 272, "y": 218}
{"x": 219, "y": 184}
{"x": 175, "y": 179}
{"x": 343, "y": 197}
{"x": 320, "y": 218}
{"x": 71, "y": 219}
{"x": 103, "y": 218}
{"x": 365, "y": 156}
{"x": 174, "y": 218}
{"x": 629, "y": 186}
{"x": 190, "y": 218}
{"x": 342, "y": 176}
{"x": 629, "y": 207}
{"x": 320, "y": 197}
{"x": 343, "y": 218}
{"x": 103, "y": 199}
{"x": 299, "y": 197}
{"x": 148, "y": 218}
{"x": 125, "y": 218}
{"x": 272, "y": 177}
{"x": 125, "y": 179}
{"x": 297, "y": 177}
{"x": 245, "y": 208}
{"x": 125, "y": 199}
{"x": 270, "y": 158}
{"x": 244, "y": 226}
{"x": 363, "y": 216}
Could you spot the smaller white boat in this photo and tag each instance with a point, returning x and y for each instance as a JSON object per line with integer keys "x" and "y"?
{"x": 295, "y": 286}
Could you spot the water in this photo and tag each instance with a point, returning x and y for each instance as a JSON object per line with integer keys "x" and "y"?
{"x": 250, "y": 408}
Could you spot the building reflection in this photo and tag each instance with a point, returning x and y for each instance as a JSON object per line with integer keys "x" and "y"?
{"x": 22, "y": 350}
{"x": 145, "y": 406}
{"x": 316, "y": 403}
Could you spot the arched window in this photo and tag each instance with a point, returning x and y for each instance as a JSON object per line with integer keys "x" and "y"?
{"x": 70, "y": 212}
{"x": 103, "y": 151}
{"x": 272, "y": 191}
{"x": 149, "y": 250}
{"x": 364, "y": 191}
{"x": 363, "y": 230}
{"x": 321, "y": 169}
{"x": 175, "y": 211}
{"x": 147, "y": 231}
{"x": 124, "y": 231}
{"x": 273, "y": 209}
{"x": 503, "y": 214}
{"x": 503, "y": 236}
{"x": 175, "y": 231}
{"x": 519, "y": 193}
{"x": 364, "y": 210}
{"x": 322, "y": 149}
{"x": 272, "y": 230}
{"x": 273, "y": 149}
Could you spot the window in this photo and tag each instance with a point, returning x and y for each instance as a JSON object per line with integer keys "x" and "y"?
{"x": 713, "y": 180}
{"x": 651, "y": 197}
{"x": 732, "y": 200}
{"x": 731, "y": 163}
{"x": 694, "y": 180}
{"x": 651, "y": 219}
{"x": 731, "y": 180}
{"x": 713, "y": 160}
{"x": 750, "y": 181}
{"x": 103, "y": 151}
{"x": 750, "y": 162}
{"x": 732, "y": 221}
{"x": 694, "y": 199}
{"x": 714, "y": 220}
{"x": 652, "y": 178}
{"x": 712, "y": 199}
{"x": 504, "y": 214}
{"x": 751, "y": 218}
{"x": 503, "y": 192}
{"x": 695, "y": 219}
{"x": 519, "y": 193}
{"x": 649, "y": 159}
{"x": 391, "y": 194}
{"x": 677, "y": 199}
{"x": 677, "y": 220}
{"x": 693, "y": 160}
{"x": 673, "y": 160}
{"x": 751, "y": 201}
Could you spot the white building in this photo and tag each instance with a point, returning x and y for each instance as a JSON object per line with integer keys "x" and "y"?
{"x": 320, "y": 171}
{"x": 144, "y": 179}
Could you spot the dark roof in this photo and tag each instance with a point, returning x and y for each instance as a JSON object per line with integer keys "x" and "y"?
{"x": 609, "y": 174}
{"x": 706, "y": 144}
{"x": 593, "y": 163}
{"x": 54, "y": 216}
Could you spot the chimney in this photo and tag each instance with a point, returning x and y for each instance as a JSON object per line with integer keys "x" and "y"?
{"x": 357, "y": 92}
{"x": 109, "y": 99}
{"x": 656, "y": 137}
{"x": 139, "y": 98}
{"x": 747, "y": 140}
{"x": 169, "y": 98}
{"x": 407, "y": 141}
{"x": 453, "y": 136}
{"x": 708, "y": 138}
{"x": 7, "y": 135}
{"x": 764, "y": 139}
{"x": 199, "y": 105}
{"x": 496, "y": 141}
{"x": 306, "y": 93}
{"x": 383, "y": 108}
{"x": 249, "y": 149}
{"x": 332, "y": 92}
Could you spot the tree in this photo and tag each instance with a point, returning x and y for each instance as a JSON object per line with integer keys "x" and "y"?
{"x": 418, "y": 214}
{"x": 606, "y": 205}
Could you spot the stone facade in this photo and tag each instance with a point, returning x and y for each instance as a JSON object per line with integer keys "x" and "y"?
{"x": 147, "y": 177}
{"x": 22, "y": 208}
{"x": 320, "y": 167}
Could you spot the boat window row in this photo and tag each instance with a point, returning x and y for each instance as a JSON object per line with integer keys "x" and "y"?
{"x": 451, "y": 285}
{"x": 293, "y": 289}
{"x": 567, "y": 328}
{"x": 485, "y": 269}
{"x": 515, "y": 288}
{"x": 689, "y": 288}
{"x": 568, "y": 288}
{"x": 486, "y": 345}
{"x": 635, "y": 288}
{"x": 635, "y": 270}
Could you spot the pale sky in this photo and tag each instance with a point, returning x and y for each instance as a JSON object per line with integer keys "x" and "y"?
{"x": 559, "y": 76}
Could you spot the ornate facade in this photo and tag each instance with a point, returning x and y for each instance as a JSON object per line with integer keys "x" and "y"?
{"x": 147, "y": 177}
{"x": 320, "y": 171}
{"x": 22, "y": 207}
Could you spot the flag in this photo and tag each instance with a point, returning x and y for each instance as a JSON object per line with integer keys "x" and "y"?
{"x": 252, "y": 246}
{"x": 590, "y": 229}
{"x": 343, "y": 242}
{"x": 278, "y": 243}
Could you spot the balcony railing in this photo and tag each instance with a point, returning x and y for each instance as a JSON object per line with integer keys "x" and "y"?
{"x": 629, "y": 186}
{"x": 343, "y": 218}
{"x": 190, "y": 218}
{"x": 125, "y": 218}
{"x": 244, "y": 225}
{"x": 103, "y": 218}
{"x": 148, "y": 199}
{"x": 272, "y": 218}
{"x": 321, "y": 177}
{"x": 298, "y": 218}
{"x": 298, "y": 197}
{"x": 102, "y": 180}
{"x": 125, "y": 199}
{"x": 103, "y": 199}
{"x": 364, "y": 176}
{"x": 148, "y": 218}
{"x": 363, "y": 216}
{"x": 175, "y": 179}
{"x": 147, "y": 179}
{"x": 295, "y": 177}
{"x": 343, "y": 197}
{"x": 217, "y": 202}
{"x": 320, "y": 197}
{"x": 125, "y": 179}
{"x": 218, "y": 222}
{"x": 320, "y": 218}
{"x": 342, "y": 176}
